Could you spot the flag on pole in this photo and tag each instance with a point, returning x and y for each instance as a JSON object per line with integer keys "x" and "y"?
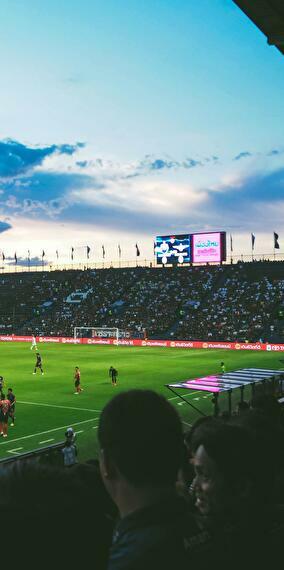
{"x": 88, "y": 251}
{"x": 231, "y": 242}
{"x": 43, "y": 254}
{"x": 16, "y": 259}
{"x": 276, "y": 238}
{"x": 3, "y": 256}
{"x": 103, "y": 248}
{"x": 72, "y": 253}
{"x": 57, "y": 255}
{"x": 252, "y": 241}
{"x": 29, "y": 255}
{"x": 137, "y": 250}
{"x": 119, "y": 250}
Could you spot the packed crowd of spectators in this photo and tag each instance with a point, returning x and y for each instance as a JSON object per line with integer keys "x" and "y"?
{"x": 241, "y": 307}
{"x": 157, "y": 497}
{"x": 237, "y": 302}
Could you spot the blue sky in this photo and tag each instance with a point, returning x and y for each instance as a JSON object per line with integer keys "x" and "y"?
{"x": 126, "y": 119}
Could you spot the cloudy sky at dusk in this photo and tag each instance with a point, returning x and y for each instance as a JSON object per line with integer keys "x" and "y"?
{"x": 125, "y": 119}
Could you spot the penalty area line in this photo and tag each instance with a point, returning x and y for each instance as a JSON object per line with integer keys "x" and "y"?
{"x": 57, "y": 406}
{"x": 16, "y": 450}
{"x": 47, "y": 431}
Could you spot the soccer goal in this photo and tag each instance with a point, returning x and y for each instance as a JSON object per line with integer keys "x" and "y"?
{"x": 97, "y": 332}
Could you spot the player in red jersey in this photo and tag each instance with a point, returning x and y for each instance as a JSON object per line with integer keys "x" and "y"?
{"x": 4, "y": 415}
{"x": 77, "y": 378}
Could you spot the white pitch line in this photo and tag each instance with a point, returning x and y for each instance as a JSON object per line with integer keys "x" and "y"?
{"x": 47, "y": 440}
{"x": 56, "y": 406}
{"x": 186, "y": 423}
{"x": 186, "y": 395}
{"x": 47, "y": 431}
{"x": 80, "y": 431}
{"x": 15, "y": 450}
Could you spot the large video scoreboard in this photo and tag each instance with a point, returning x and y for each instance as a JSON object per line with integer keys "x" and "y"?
{"x": 209, "y": 247}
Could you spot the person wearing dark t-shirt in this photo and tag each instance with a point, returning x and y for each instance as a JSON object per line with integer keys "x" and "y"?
{"x": 141, "y": 441}
{"x": 12, "y": 399}
{"x": 38, "y": 364}
{"x": 113, "y": 374}
{"x": 1, "y": 384}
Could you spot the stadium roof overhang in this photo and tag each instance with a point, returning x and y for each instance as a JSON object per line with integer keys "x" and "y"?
{"x": 268, "y": 16}
{"x": 227, "y": 382}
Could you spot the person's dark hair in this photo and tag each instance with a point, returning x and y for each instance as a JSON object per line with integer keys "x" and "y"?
{"x": 10, "y": 389}
{"x": 142, "y": 434}
{"x": 268, "y": 405}
{"x": 196, "y": 431}
{"x": 231, "y": 448}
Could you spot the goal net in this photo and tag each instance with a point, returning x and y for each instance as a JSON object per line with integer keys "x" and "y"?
{"x": 98, "y": 332}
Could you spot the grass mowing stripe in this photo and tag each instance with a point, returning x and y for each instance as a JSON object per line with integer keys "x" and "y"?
{"x": 56, "y": 406}
{"x": 44, "y": 432}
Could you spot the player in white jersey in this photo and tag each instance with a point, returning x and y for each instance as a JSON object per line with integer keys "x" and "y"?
{"x": 34, "y": 345}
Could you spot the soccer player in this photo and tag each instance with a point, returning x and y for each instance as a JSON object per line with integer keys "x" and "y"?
{"x": 4, "y": 415}
{"x": 113, "y": 374}
{"x": 38, "y": 364}
{"x": 34, "y": 345}
{"x": 77, "y": 378}
{"x": 12, "y": 399}
{"x": 223, "y": 368}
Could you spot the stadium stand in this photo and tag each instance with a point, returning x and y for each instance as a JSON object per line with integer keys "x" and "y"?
{"x": 229, "y": 302}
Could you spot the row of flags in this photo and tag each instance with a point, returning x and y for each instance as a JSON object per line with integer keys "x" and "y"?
{"x": 88, "y": 250}
{"x": 275, "y": 239}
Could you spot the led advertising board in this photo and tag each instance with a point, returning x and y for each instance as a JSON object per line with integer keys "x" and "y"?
{"x": 173, "y": 249}
{"x": 209, "y": 247}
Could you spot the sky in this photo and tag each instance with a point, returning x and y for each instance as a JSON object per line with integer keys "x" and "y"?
{"x": 123, "y": 120}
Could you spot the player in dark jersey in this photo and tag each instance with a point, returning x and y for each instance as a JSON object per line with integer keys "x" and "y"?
{"x": 38, "y": 364}
{"x": 77, "y": 378}
{"x": 12, "y": 399}
{"x": 113, "y": 374}
{"x": 4, "y": 415}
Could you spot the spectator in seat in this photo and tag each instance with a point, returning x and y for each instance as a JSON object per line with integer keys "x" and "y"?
{"x": 141, "y": 451}
{"x": 232, "y": 505}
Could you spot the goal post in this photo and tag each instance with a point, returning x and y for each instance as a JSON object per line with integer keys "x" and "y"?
{"x": 97, "y": 332}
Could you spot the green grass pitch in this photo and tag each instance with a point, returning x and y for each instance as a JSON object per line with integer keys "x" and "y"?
{"x": 46, "y": 405}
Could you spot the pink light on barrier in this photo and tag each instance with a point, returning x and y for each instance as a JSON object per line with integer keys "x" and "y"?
{"x": 201, "y": 387}
{"x": 208, "y": 380}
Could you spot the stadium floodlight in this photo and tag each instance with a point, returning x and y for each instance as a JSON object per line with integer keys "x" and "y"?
{"x": 98, "y": 332}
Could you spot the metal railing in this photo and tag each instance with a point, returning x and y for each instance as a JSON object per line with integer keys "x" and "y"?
{"x": 119, "y": 264}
